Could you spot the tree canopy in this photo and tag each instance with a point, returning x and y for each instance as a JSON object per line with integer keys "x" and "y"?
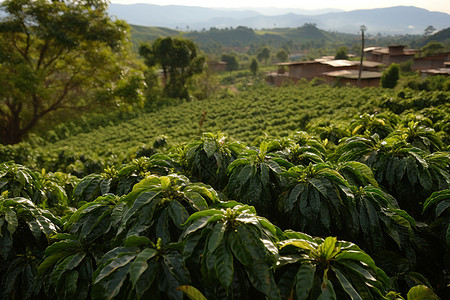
{"x": 60, "y": 56}
{"x": 282, "y": 55}
{"x": 390, "y": 76}
{"x": 231, "y": 60}
{"x": 179, "y": 61}
{"x": 341, "y": 53}
{"x": 263, "y": 54}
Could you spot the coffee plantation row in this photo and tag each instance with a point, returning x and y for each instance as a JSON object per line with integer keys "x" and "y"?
{"x": 94, "y": 143}
{"x": 356, "y": 212}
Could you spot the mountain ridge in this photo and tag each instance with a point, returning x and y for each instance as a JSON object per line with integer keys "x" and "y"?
{"x": 391, "y": 20}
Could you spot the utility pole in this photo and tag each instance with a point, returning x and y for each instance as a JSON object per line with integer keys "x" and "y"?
{"x": 363, "y": 28}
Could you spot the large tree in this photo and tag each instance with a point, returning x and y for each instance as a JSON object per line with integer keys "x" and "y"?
{"x": 179, "y": 60}
{"x": 60, "y": 56}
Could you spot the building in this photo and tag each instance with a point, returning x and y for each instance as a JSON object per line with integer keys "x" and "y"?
{"x": 344, "y": 77}
{"x": 295, "y": 71}
{"x": 437, "y": 71}
{"x": 217, "y": 66}
{"x": 436, "y": 61}
{"x": 393, "y": 54}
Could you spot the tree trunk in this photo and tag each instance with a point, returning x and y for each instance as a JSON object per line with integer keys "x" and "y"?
{"x": 12, "y": 133}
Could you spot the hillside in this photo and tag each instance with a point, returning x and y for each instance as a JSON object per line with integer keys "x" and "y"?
{"x": 391, "y": 20}
{"x": 241, "y": 36}
{"x": 244, "y": 116}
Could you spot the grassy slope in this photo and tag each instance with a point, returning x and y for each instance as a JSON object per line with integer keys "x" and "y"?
{"x": 241, "y": 36}
{"x": 245, "y": 116}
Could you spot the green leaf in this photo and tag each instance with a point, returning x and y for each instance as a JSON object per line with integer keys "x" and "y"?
{"x": 298, "y": 243}
{"x": 165, "y": 182}
{"x": 262, "y": 279}
{"x": 244, "y": 176}
{"x": 113, "y": 265}
{"x": 327, "y": 291}
{"x": 357, "y": 268}
{"x": 356, "y": 255}
{"x": 328, "y": 247}
{"x": 252, "y": 242}
{"x": 115, "y": 282}
{"x": 75, "y": 261}
{"x": 346, "y": 284}
{"x": 177, "y": 213}
{"x": 60, "y": 268}
{"x": 145, "y": 281}
{"x": 35, "y": 227}
{"x": 421, "y": 292}
{"x": 139, "y": 265}
{"x": 173, "y": 261}
{"x": 216, "y": 237}
{"x": 105, "y": 185}
{"x": 203, "y": 213}
{"x": 209, "y": 147}
{"x": 442, "y": 206}
{"x": 198, "y": 202}
{"x": 436, "y": 197}
{"x": 137, "y": 241}
{"x": 425, "y": 179}
{"x": 224, "y": 266}
{"x": 71, "y": 284}
{"x": 11, "y": 218}
{"x": 191, "y": 292}
{"x": 238, "y": 249}
{"x": 304, "y": 280}
{"x": 293, "y": 196}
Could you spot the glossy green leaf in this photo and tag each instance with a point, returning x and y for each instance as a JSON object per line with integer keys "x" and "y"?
{"x": 145, "y": 281}
{"x": 191, "y": 292}
{"x": 70, "y": 286}
{"x": 238, "y": 249}
{"x": 293, "y": 196}
{"x": 178, "y": 213}
{"x": 203, "y": 213}
{"x": 139, "y": 265}
{"x": 224, "y": 266}
{"x": 356, "y": 255}
{"x": 113, "y": 265}
{"x": 198, "y": 202}
{"x": 297, "y": 243}
{"x": 115, "y": 282}
{"x": 209, "y": 146}
{"x": 262, "y": 279}
{"x": 75, "y": 261}
{"x": 216, "y": 237}
{"x": 11, "y": 218}
{"x": 421, "y": 292}
{"x": 327, "y": 291}
{"x": 165, "y": 182}
{"x": 304, "y": 280}
{"x": 346, "y": 285}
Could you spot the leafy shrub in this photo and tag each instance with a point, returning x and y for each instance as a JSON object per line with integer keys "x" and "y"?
{"x": 235, "y": 249}
{"x": 24, "y": 232}
{"x": 255, "y": 179}
{"x": 316, "y": 268}
{"x": 390, "y": 76}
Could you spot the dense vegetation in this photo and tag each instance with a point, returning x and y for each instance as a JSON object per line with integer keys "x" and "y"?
{"x": 356, "y": 208}
{"x": 300, "y": 192}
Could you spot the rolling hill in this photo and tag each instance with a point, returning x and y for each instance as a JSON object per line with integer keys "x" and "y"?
{"x": 391, "y": 20}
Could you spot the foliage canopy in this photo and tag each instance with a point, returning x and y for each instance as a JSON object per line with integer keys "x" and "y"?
{"x": 60, "y": 56}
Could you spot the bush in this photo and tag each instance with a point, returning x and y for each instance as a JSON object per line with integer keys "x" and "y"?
{"x": 390, "y": 76}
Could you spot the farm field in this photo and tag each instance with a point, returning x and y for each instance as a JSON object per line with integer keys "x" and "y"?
{"x": 298, "y": 192}
{"x": 244, "y": 116}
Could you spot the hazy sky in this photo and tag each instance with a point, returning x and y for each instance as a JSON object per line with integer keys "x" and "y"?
{"x": 433, "y": 5}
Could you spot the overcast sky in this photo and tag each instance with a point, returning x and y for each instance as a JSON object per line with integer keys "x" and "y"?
{"x": 432, "y": 5}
